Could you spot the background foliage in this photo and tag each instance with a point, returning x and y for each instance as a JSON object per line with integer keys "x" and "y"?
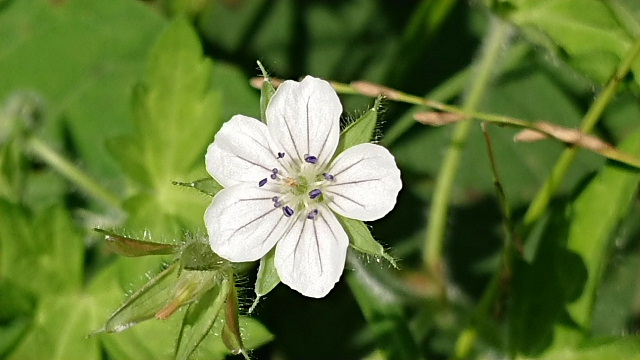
{"x": 105, "y": 103}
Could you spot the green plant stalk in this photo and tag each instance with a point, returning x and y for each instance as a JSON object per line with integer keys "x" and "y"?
{"x": 67, "y": 169}
{"x": 437, "y": 220}
{"x": 445, "y": 91}
{"x": 466, "y": 339}
{"x": 541, "y": 201}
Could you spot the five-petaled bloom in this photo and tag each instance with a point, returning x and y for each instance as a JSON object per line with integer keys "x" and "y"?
{"x": 282, "y": 186}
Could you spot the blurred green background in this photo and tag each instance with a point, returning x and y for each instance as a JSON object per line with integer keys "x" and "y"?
{"x": 98, "y": 116}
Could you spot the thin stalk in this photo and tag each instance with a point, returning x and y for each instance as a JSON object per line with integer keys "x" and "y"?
{"x": 467, "y": 338}
{"x": 70, "y": 171}
{"x": 541, "y": 201}
{"x": 437, "y": 220}
{"x": 445, "y": 91}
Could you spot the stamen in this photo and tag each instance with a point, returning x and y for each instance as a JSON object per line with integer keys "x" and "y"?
{"x": 310, "y": 159}
{"x": 312, "y": 214}
{"x": 315, "y": 193}
{"x": 274, "y": 174}
{"x": 276, "y": 202}
{"x": 280, "y": 155}
{"x": 328, "y": 177}
{"x": 287, "y": 211}
{"x": 262, "y": 182}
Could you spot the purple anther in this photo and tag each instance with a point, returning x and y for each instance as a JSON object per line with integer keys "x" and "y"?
{"x": 328, "y": 177}
{"x": 287, "y": 211}
{"x": 273, "y": 176}
{"x": 310, "y": 159}
{"x": 312, "y": 214}
{"x": 274, "y": 173}
{"x": 276, "y": 201}
{"x": 280, "y": 155}
{"x": 315, "y": 193}
{"x": 262, "y": 182}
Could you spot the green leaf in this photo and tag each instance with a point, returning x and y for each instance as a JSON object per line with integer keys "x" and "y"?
{"x": 625, "y": 348}
{"x": 61, "y": 325}
{"x": 596, "y": 213}
{"x": 176, "y": 113}
{"x": 360, "y": 131}
{"x": 361, "y": 239}
{"x": 383, "y": 312}
{"x": 43, "y": 253}
{"x": 199, "y": 320}
{"x": 127, "y": 246}
{"x": 591, "y": 34}
{"x": 267, "y": 278}
{"x": 208, "y": 186}
{"x": 87, "y": 91}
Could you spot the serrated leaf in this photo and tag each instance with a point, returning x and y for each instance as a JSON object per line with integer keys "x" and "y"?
{"x": 199, "y": 320}
{"x": 144, "y": 303}
{"x": 127, "y": 246}
{"x": 360, "y": 131}
{"x": 361, "y": 239}
{"x": 177, "y": 114}
{"x": 207, "y": 186}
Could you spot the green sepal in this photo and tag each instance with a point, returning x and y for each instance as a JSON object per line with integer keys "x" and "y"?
{"x": 267, "y": 278}
{"x": 361, "y": 239}
{"x": 208, "y": 186}
{"x": 231, "y": 329}
{"x": 360, "y": 131}
{"x": 199, "y": 319}
{"x": 266, "y": 93}
{"x": 198, "y": 256}
{"x": 144, "y": 303}
{"x": 126, "y": 246}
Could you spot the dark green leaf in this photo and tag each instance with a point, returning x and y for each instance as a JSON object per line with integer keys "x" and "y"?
{"x": 383, "y": 312}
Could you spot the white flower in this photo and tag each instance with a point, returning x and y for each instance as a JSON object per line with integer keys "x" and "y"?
{"x": 282, "y": 186}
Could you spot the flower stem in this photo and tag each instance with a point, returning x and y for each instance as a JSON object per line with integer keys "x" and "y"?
{"x": 541, "y": 201}
{"x": 434, "y": 240}
{"x": 62, "y": 165}
{"x": 445, "y": 91}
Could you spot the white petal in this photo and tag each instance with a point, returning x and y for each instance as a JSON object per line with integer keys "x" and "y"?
{"x": 240, "y": 152}
{"x": 310, "y": 257}
{"x": 367, "y": 182}
{"x": 243, "y": 224}
{"x": 304, "y": 118}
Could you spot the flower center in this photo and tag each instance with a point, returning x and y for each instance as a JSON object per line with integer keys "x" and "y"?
{"x": 299, "y": 185}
